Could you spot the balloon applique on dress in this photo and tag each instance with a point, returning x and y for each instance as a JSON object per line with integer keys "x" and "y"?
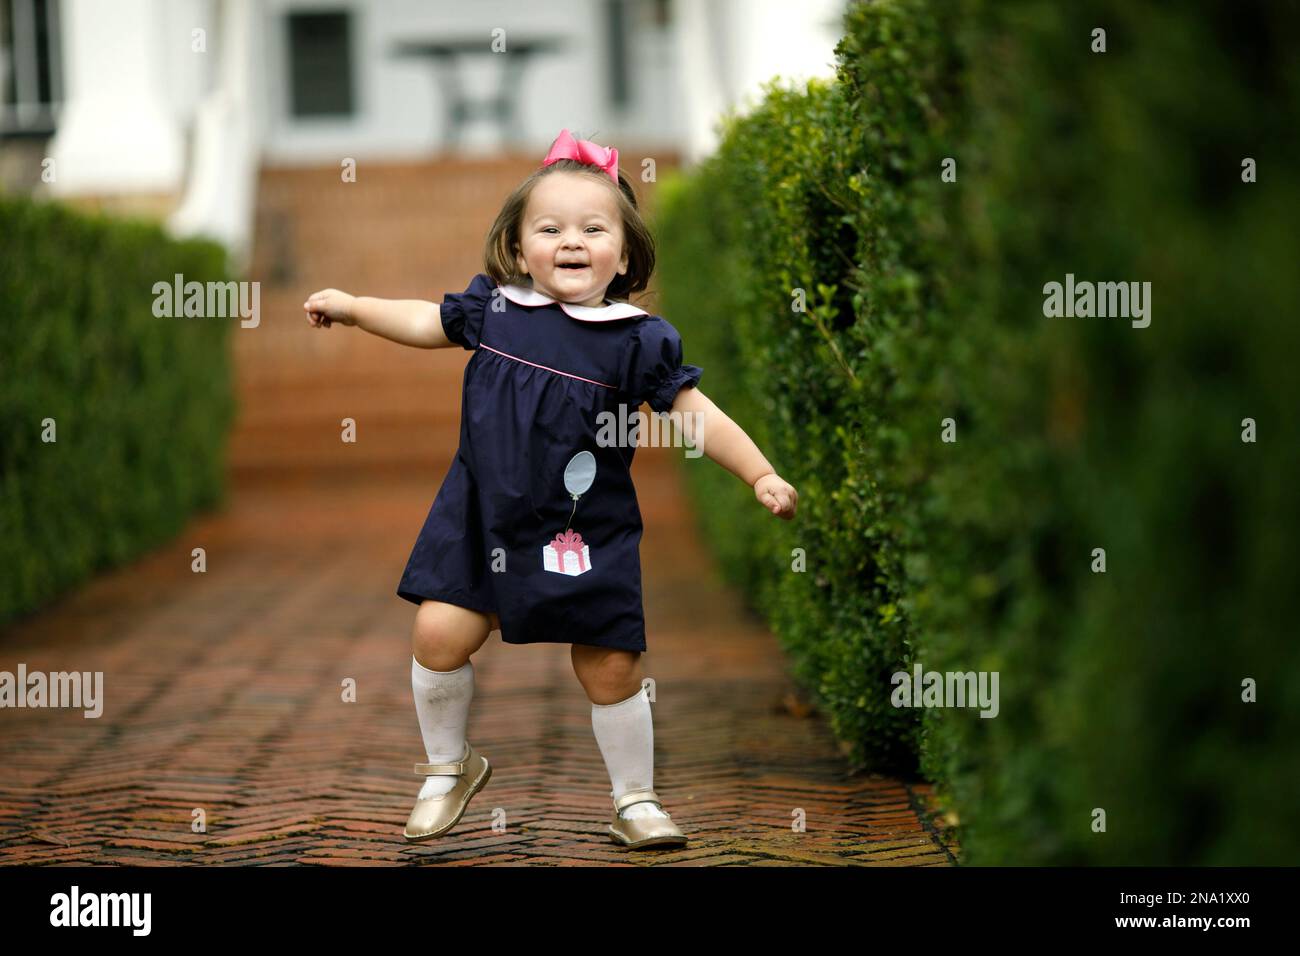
{"x": 566, "y": 553}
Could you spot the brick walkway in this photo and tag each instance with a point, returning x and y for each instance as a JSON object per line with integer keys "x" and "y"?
{"x": 224, "y": 690}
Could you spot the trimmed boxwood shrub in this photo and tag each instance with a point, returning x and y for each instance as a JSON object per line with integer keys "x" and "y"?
{"x": 141, "y": 406}
{"x": 1119, "y": 691}
{"x": 792, "y": 262}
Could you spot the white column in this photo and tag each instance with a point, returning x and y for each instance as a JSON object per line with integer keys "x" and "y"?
{"x": 222, "y": 189}
{"x": 793, "y": 40}
{"x": 117, "y": 132}
{"x": 701, "y": 55}
{"x": 727, "y": 49}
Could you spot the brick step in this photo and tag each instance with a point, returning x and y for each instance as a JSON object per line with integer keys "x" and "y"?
{"x": 295, "y": 445}
{"x": 327, "y": 401}
{"x": 284, "y": 358}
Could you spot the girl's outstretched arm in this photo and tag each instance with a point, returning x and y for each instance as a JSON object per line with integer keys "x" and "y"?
{"x": 413, "y": 322}
{"x": 709, "y": 428}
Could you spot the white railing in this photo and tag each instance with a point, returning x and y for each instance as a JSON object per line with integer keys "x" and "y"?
{"x": 221, "y": 182}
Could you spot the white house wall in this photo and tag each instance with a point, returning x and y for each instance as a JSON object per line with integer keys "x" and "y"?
{"x": 399, "y": 108}
{"x": 145, "y": 112}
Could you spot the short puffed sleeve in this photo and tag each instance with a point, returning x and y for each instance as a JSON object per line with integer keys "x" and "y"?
{"x": 462, "y": 312}
{"x": 652, "y": 368}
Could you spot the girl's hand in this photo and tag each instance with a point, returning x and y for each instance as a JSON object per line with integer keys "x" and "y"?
{"x": 329, "y": 306}
{"x": 777, "y": 495}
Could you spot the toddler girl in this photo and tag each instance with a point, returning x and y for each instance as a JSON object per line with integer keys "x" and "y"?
{"x": 536, "y": 527}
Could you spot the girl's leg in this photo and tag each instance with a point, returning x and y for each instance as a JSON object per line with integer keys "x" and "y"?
{"x": 445, "y": 635}
{"x": 621, "y": 719}
{"x": 442, "y": 681}
{"x": 608, "y": 676}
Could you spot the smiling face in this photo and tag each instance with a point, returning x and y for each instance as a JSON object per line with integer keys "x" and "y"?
{"x": 571, "y": 219}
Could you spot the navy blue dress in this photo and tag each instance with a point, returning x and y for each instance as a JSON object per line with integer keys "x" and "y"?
{"x": 505, "y": 532}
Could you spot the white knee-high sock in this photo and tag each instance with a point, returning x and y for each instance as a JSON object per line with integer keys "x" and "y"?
{"x": 625, "y": 733}
{"x": 442, "y": 705}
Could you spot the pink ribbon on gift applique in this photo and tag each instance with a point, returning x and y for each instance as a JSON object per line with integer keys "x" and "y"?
{"x": 584, "y": 151}
{"x": 568, "y": 541}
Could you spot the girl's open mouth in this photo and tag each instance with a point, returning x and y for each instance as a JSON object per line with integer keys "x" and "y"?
{"x": 577, "y": 266}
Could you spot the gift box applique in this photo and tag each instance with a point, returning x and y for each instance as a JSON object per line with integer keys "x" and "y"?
{"x": 567, "y": 554}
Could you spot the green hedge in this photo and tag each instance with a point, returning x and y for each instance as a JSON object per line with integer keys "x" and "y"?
{"x": 798, "y": 198}
{"x": 1119, "y": 691}
{"x": 142, "y": 405}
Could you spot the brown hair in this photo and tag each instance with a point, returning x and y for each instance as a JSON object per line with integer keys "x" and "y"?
{"x": 502, "y": 244}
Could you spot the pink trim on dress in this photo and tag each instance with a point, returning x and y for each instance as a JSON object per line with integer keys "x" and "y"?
{"x": 547, "y": 367}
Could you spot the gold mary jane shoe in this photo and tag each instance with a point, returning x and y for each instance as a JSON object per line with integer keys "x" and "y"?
{"x": 643, "y": 831}
{"x": 434, "y": 816}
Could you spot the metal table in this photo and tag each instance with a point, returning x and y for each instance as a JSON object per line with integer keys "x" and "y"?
{"x": 447, "y": 55}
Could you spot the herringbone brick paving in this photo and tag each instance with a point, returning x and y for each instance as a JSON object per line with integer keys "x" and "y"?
{"x": 225, "y": 690}
{"x": 224, "y": 694}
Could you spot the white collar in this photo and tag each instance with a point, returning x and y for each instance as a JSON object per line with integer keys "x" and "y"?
{"x": 522, "y": 295}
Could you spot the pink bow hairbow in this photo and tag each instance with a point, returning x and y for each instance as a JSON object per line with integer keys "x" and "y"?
{"x": 584, "y": 151}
